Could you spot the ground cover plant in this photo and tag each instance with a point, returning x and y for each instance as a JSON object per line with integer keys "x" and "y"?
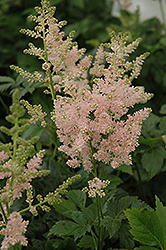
{"x": 83, "y": 133}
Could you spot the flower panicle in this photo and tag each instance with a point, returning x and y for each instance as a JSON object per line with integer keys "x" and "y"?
{"x": 35, "y": 77}
{"x": 96, "y": 187}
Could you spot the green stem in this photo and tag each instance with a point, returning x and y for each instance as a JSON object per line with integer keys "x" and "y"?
{"x": 3, "y": 213}
{"x": 15, "y": 136}
{"x": 28, "y": 208}
{"x": 101, "y": 232}
{"x": 7, "y": 207}
{"x": 49, "y": 71}
{"x": 94, "y": 237}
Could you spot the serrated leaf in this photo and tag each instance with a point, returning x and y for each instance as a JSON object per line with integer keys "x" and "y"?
{"x": 7, "y": 79}
{"x": 77, "y": 197}
{"x": 152, "y": 160}
{"x": 161, "y": 213}
{"x": 81, "y": 230}
{"x": 115, "y": 213}
{"x": 112, "y": 224}
{"x": 86, "y": 242}
{"x": 126, "y": 239}
{"x": 126, "y": 169}
{"x": 65, "y": 208}
{"x": 4, "y": 87}
{"x": 78, "y": 217}
{"x": 63, "y": 227}
{"x": 90, "y": 213}
{"x": 116, "y": 208}
{"x": 145, "y": 227}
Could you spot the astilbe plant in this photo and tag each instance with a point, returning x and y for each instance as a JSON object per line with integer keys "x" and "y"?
{"x": 91, "y": 97}
{"x": 19, "y": 165}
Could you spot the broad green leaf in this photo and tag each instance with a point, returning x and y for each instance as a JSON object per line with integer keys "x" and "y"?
{"x": 146, "y": 227}
{"x": 81, "y": 230}
{"x": 125, "y": 237}
{"x": 149, "y": 141}
{"x": 90, "y": 213}
{"x": 67, "y": 243}
{"x": 161, "y": 213}
{"x": 149, "y": 125}
{"x": 63, "y": 227}
{"x": 86, "y": 242}
{"x": 114, "y": 180}
{"x": 112, "y": 224}
{"x": 115, "y": 208}
{"x": 152, "y": 160}
{"x": 114, "y": 214}
{"x": 126, "y": 169}
{"x": 33, "y": 130}
{"x": 65, "y": 208}
{"x": 78, "y": 217}
{"x": 77, "y": 197}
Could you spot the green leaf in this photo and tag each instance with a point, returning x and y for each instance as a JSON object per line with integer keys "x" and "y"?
{"x": 149, "y": 141}
{"x": 162, "y": 125}
{"x": 7, "y": 79}
{"x": 149, "y": 125}
{"x": 114, "y": 180}
{"x": 77, "y": 197}
{"x": 65, "y": 208}
{"x": 81, "y": 230}
{"x": 126, "y": 169}
{"x": 111, "y": 224}
{"x": 90, "y": 213}
{"x": 67, "y": 228}
{"x": 78, "y": 217}
{"x": 161, "y": 213}
{"x": 163, "y": 109}
{"x": 152, "y": 160}
{"x": 63, "y": 227}
{"x": 115, "y": 213}
{"x": 4, "y": 87}
{"x": 146, "y": 227}
{"x": 86, "y": 242}
{"x": 125, "y": 237}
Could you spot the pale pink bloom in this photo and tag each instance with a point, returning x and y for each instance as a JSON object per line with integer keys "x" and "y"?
{"x": 88, "y": 120}
{"x": 3, "y": 156}
{"x": 14, "y": 231}
{"x": 96, "y": 187}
